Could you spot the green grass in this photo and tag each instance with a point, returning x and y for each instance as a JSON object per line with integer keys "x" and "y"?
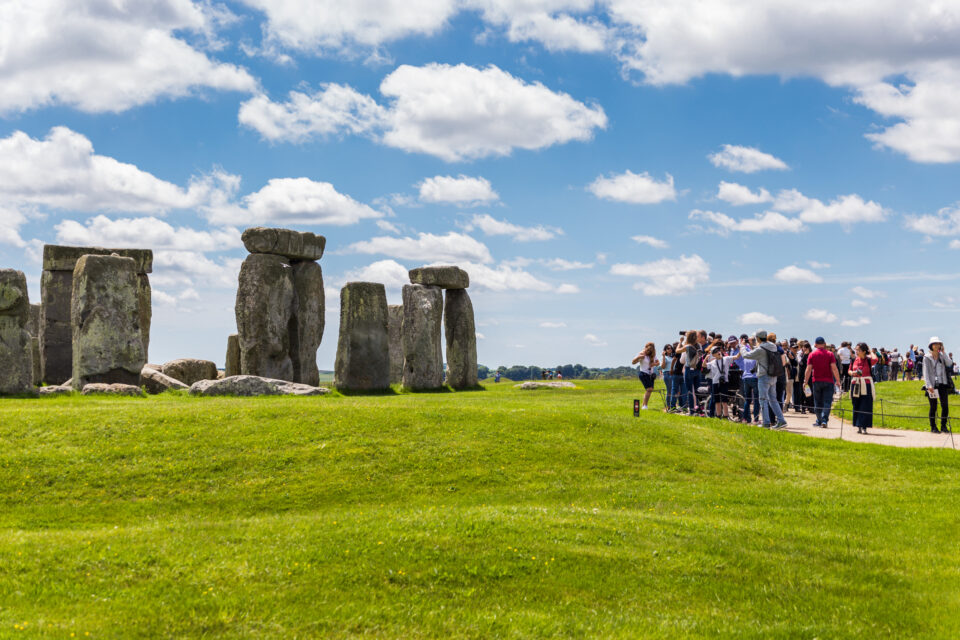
{"x": 901, "y": 405}
{"x": 497, "y": 513}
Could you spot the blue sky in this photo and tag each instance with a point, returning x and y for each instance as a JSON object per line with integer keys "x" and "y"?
{"x": 789, "y": 165}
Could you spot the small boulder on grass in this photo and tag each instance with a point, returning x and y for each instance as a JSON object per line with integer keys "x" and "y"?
{"x": 56, "y": 390}
{"x": 155, "y": 381}
{"x": 115, "y": 389}
{"x": 254, "y": 386}
{"x": 190, "y": 370}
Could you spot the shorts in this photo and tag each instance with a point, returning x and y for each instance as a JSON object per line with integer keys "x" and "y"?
{"x": 647, "y": 379}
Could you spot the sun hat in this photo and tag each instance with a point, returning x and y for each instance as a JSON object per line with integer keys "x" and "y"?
{"x": 933, "y": 341}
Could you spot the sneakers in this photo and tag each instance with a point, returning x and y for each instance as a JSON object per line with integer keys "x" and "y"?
{"x": 817, "y": 423}
{"x": 823, "y": 425}
{"x": 644, "y": 407}
{"x": 780, "y": 425}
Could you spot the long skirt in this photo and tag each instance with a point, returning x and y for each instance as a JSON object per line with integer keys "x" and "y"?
{"x": 863, "y": 410}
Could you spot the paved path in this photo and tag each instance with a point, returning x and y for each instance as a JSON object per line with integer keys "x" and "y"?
{"x": 803, "y": 424}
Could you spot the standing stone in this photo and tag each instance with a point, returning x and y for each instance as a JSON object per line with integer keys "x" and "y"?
{"x": 363, "y": 350}
{"x": 444, "y": 277}
{"x": 33, "y": 328}
{"x": 105, "y": 318}
{"x": 16, "y": 359}
{"x": 265, "y": 309}
{"x": 307, "y": 333}
{"x": 422, "y": 351}
{"x": 461, "y": 333}
{"x": 232, "y": 365}
{"x": 395, "y": 330}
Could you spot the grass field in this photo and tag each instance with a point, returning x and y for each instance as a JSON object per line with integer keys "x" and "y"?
{"x": 901, "y": 405}
{"x": 486, "y": 514}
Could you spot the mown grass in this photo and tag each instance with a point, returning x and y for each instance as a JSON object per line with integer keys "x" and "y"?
{"x": 496, "y": 513}
{"x": 901, "y": 405}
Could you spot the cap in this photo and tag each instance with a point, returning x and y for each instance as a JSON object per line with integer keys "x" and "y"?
{"x": 761, "y": 335}
{"x": 744, "y": 336}
{"x": 819, "y": 340}
{"x": 732, "y": 339}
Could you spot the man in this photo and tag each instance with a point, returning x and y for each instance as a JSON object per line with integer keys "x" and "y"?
{"x": 894, "y": 364}
{"x": 767, "y": 373}
{"x": 845, "y": 355}
{"x": 822, "y": 369}
{"x": 748, "y": 384}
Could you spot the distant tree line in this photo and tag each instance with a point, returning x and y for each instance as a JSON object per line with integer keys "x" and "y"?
{"x": 519, "y": 373}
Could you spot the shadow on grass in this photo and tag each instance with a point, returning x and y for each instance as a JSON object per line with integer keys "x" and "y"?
{"x": 370, "y": 392}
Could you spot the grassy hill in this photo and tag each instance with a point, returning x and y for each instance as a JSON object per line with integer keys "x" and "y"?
{"x": 496, "y": 513}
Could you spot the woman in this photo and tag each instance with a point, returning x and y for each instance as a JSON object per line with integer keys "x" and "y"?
{"x": 647, "y": 360}
{"x": 937, "y": 367}
{"x": 861, "y": 388}
{"x": 691, "y": 371}
{"x": 800, "y": 400}
{"x": 668, "y": 378}
{"x": 790, "y": 369}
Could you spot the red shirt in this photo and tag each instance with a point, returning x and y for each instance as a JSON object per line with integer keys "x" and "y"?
{"x": 862, "y": 366}
{"x": 821, "y": 362}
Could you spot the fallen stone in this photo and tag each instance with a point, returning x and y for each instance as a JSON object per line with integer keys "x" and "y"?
{"x": 16, "y": 353}
{"x": 190, "y": 370}
{"x": 155, "y": 381}
{"x": 296, "y": 245}
{"x": 113, "y": 389}
{"x": 546, "y": 385}
{"x": 105, "y": 318}
{"x": 422, "y": 327}
{"x": 363, "y": 348}
{"x": 444, "y": 277}
{"x": 232, "y": 363}
{"x": 264, "y": 309}
{"x": 254, "y": 386}
{"x": 310, "y": 318}
{"x": 55, "y": 390}
{"x": 395, "y": 332}
{"x": 461, "y": 334}
{"x": 60, "y": 258}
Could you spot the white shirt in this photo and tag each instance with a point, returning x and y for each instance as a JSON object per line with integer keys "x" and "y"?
{"x": 719, "y": 368}
{"x": 844, "y": 354}
{"x": 646, "y": 364}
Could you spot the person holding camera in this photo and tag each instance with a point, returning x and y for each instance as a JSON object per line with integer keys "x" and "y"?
{"x": 937, "y": 367}
{"x": 647, "y": 360}
{"x": 862, "y": 388}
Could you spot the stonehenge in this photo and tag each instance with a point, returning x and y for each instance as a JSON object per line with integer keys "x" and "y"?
{"x": 461, "y": 334}
{"x": 422, "y": 350}
{"x": 16, "y": 374}
{"x": 231, "y": 365}
{"x": 363, "y": 350}
{"x": 395, "y": 332}
{"x": 280, "y": 305}
{"x": 190, "y": 370}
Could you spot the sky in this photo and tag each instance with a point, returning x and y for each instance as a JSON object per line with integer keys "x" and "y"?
{"x": 608, "y": 172}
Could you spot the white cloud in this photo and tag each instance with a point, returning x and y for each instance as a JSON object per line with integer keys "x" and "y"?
{"x": 859, "y": 322}
{"x": 820, "y": 315}
{"x": 594, "y": 341}
{"x": 568, "y": 289}
{"x": 797, "y": 274}
{"x": 846, "y": 209}
{"x": 813, "y": 264}
{"x": 867, "y": 294}
{"x": 462, "y": 190}
{"x": 861, "y": 304}
{"x": 552, "y": 325}
{"x": 427, "y": 247}
{"x": 552, "y": 23}
{"x": 164, "y": 299}
{"x": 955, "y": 244}
{"x": 504, "y": 278}
{"x": 634, "y": 188}
{"x": 559, "y": 264}
{"x": 737, "y": 194}
{"x": 384, "y": 225}
{"x": 390, "y": 273}
{"x": 493, "y": 227}
{"x": 189, "y": 269}
{"x": 767, "y": 222}
{"x": 656, "y": 243}
{"x": 455, "y": 113}
{"x": 146, "y": 232}
{"x": 10, "y": 222}
{"x": 757, "y": 318}
{"x": 666, "y": 276}
{"x": 107, "y": 56}
{"x": 946, "y": 222}
{"x": 745, "y": 159}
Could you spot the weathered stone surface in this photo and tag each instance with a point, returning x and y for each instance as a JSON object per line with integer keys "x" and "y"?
{"x": 461, "y": 334}
{"x": 155, "y": 381}
{"x": 363, "y": 349}
{"x": 33, "y": 326}
{"x": 296, "y": 245}
{"x": 395, "y": 331}
{"x": 232, "y": 364}
{"x": 190, "y": 370}
{"x": 55, "y": 390}
{"x": 105, "y": 321}
{"x": 60, "y": 258}
{"x": 422, "y": 327}
{"x": 545, "y": 385}
{"x": 447, "y": 277}
{"x": 310, "y": 317}
{"x": 145, "y": 310}
{"x": 265, "y": 309}
{"x": 56, "y": 349}
{"x": 35, "y": 360}
{"x": 114, "y": 389}
{"x": 254, "y": 386}
{"x": 16, "y": 357}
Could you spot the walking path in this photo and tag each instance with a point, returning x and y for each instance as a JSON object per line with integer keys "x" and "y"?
{"x": 803, "y": 424}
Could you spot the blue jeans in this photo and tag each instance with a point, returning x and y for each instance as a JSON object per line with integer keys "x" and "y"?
{"x": 768, "y": 398}
{"x": 691, "y": 380}
{"x": 668, "y": 381}
{"x": 751, "y": 398}
{"x": 822, "y": 400}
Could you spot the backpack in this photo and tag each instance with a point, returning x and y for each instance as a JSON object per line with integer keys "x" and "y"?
{"x": 774, "y": 364}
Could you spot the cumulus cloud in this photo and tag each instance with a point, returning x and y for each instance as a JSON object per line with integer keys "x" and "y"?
{"x": 108, "y": 56}
{"x": 955, "y": 244}
{"x": 568, "y": 289}
{"x": 505, "y": 278}
{"x": 455, "y": 113}
{"x": 553, "y": 23}
{"x": 656, "y": 243}
{"x": 820, "y": 315}
{"x": 188, "y": 269}
{"x": 848, "y": 209}
{"x": 427, "y": 247}
{"x": 667, "y": 276}
{"x": 390, "y": 273}
{"x": 796, "y": 274}
{"x": 737, "y": 194}
{"x": 300, "y": 201}
{"x": 867, "y": 294}
{"x": 462, "y": 190}
{"x": 745, "y": 159}
{"x": 757, "y": 318}
{"x": 147, "y": 232}
{"x": 10, "y": 222}
{"x": 634, "y": 188}
{"x": 767, "y": 222}
{"x": 858, "y": 322}
{"x": 493, "y": 227}
{"x": 946, "y": 222}
{"x": 594, "y": 341}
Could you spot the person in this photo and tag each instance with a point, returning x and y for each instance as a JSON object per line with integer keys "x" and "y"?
{"x": 801, "y": 400}
{"x": 769, "y": 367}
{"x": 862, "y": 388}
{"x": 667, "y": 358}
{"x": 894, "y": 364}
{"x": 844, "y": 353}
{"x": 937, "y": 367}
{"x": 791, "y": 373}
{"x": 679, "y": 389}
{"x": 691, "y": 370}
{"x": 718, "y": 371}
{"x": 496, "y": 377}
{"x": 822, "y": 370}
{"x": 749, "y": 389}
{"x": 647, "y": 360}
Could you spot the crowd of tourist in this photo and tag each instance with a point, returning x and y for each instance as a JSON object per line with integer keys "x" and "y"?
{"x": 755, "y": 378}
